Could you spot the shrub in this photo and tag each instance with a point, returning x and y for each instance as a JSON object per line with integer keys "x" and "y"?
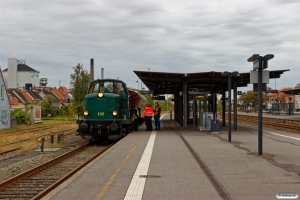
{"x": 21, "y": 116}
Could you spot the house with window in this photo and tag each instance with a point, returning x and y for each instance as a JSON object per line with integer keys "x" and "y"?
{"x": 4, "y": 105}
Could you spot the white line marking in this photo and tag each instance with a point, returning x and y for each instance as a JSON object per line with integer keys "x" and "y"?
{"x": 273, "y": 133}
{"x": 136, "y": 187}
{"x": 162, "y": 116}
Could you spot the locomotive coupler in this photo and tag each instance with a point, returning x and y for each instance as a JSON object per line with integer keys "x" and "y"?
{"x": 99, "y": 129}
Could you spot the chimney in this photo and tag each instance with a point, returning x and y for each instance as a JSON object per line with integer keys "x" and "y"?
{"x": 92, "y": 69}
{"x": 102, "y": 73}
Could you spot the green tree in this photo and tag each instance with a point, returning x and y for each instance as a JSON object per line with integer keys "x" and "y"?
{"x": 78, "y": 86}
{"x": 46, "y": 106}
{"x": 250, "y": 98}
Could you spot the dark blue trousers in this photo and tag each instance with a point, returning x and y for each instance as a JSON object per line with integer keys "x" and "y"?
{"x": 157, "y": 123}
{"x": 148, "y": 122}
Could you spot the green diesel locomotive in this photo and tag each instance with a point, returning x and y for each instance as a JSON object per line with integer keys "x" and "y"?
{"x": 109, "y": 108}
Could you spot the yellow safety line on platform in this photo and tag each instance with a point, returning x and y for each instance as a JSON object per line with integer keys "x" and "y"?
{"x": 112, "y": 178}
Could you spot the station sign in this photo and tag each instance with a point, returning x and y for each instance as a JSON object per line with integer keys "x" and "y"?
{"x": 200, "y": 97}
{"x": 158, "y": 98}
{"x": 254, "y": 77}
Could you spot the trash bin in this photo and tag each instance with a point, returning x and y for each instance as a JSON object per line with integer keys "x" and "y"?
{"x": 215, "y": 126}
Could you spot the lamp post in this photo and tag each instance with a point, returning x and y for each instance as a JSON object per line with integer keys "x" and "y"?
{"x": 137, "y": 84}
{"x": 290, "y": 105}
{"x": 229, "y": 74}
{"x": 260, "y": 63}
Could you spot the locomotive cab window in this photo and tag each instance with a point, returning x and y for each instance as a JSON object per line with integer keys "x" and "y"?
{"x": 119, "y": 88}
{"x": 106, "y": 86}
{"x": 94, "y": 88}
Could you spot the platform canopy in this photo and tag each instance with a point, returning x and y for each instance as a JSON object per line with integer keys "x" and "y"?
{"x": 171, "y": 83}
{"x": 293, "y": 92}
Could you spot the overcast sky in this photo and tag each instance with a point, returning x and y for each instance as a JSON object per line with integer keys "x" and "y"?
{"x": 157, "y": 35}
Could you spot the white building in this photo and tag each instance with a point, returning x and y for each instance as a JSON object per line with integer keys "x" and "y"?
{"x": 4, "y": 105}
{"x": 20, "y": 75}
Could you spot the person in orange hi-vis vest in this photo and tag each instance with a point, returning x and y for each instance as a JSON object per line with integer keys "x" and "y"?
{"x": 148, "y": 112}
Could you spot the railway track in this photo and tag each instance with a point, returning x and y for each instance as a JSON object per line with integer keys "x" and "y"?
{"x": 275, "y": 123}
{"x": 8, "y": 151}
{"x": 6, "y": 133}
{"x": 30, "y": 139}
{"x": 37, "y": 182}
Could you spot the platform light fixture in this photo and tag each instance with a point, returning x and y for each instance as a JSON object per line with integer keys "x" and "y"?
{"x": 260, "y": 63}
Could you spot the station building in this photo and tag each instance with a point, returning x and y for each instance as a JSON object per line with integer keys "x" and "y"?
{"x": 19, "y": 75}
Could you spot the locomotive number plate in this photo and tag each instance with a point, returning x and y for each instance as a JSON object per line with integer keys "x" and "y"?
{"x": 100, "y": 113}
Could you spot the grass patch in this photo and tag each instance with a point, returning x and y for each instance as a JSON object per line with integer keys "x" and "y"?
{"x": 23, "y": 137}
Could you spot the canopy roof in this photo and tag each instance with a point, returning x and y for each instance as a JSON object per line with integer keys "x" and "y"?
{"x": 171, "y": 83}
{"x": 294, "y": 92}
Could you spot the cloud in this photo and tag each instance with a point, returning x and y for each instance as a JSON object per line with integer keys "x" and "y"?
{"x": 167, "y": 36}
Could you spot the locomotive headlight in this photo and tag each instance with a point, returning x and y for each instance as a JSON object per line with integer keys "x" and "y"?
{"x": 100, "y": 94}
{"x": 86, "y": 113}
{"x": 114, "y": 113}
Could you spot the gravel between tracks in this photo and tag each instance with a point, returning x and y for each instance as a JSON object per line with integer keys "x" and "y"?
{"x": 36, "y": 158}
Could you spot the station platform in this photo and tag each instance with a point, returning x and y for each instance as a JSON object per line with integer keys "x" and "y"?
{"x": 192, "y": 164}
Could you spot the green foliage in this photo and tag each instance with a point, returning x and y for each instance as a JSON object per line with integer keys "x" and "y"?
{"x": 46, "y": 108}
{"x": 149, "y": 99}
{"x": 78, "y": 86}
{"x": 219, "y": 105}
{"x": 68, "y": 111}
{"x": 250, "y": 98}
{"x": 21, "y": 116}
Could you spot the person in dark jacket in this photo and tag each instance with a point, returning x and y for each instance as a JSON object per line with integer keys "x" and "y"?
{"x": 157, "y": 112}
{"x": 137, "y": 117}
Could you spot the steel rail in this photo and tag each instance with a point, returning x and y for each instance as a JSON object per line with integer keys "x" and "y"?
{"x": 30, "y": 172}
{"x": 45, "y": 135}
{"x": 4, "y": 133}
{"x": 270, "y": 122}
{"x": 8, "y": 151}
{"x": 57, "y": 183}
